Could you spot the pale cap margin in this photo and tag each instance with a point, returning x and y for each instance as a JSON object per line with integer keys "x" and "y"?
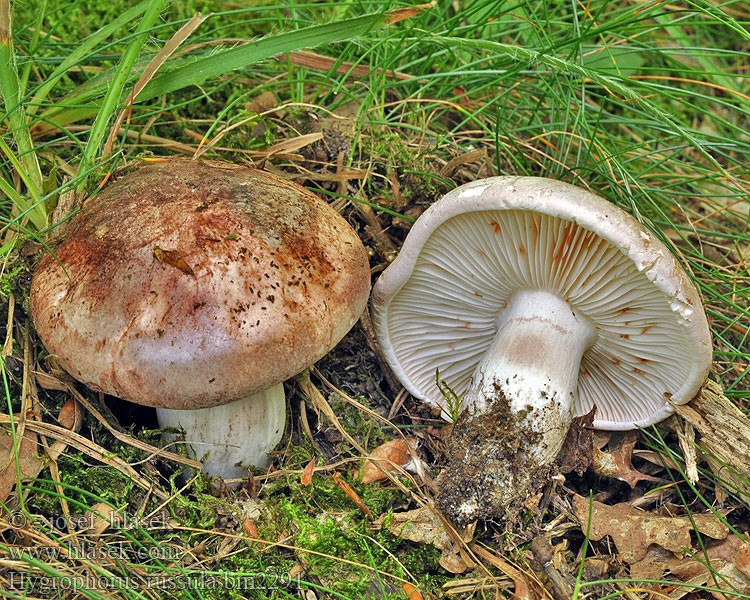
{"x": 557, "y": 199}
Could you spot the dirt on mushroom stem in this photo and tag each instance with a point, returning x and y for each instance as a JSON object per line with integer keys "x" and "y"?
{"x": 491, "y": 472}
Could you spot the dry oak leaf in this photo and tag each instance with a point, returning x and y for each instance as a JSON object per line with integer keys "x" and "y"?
{"x": 424, "y": 525}
{"x": 617, "y": 462}
{"x": 633, "y": 530}
{"x": 29, "y": 462}
{"x": 728, "y": 559}
{"x": 395, "y": 452}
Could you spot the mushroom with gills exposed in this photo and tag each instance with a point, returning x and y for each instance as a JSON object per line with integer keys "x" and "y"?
{"x": 536, "y": 302}
{"x": 198, "y": 288}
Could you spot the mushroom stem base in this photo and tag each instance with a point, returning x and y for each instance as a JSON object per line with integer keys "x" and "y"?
{"x": 494, "y": 470}
{"x": 518, "y": 409}
{"x": 234, "y": 435}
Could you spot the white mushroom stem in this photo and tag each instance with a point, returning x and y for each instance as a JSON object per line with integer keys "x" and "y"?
{"x": 533, "y": 362}
{"x": 234, "y": 435}
{"x": 518, "y": 409}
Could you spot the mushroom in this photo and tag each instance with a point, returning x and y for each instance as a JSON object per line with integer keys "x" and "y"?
{"x": 198, "y": 289}
{"x": 536, "y": 302}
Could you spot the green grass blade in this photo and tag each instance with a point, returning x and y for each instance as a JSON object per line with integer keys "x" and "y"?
{"x": 614, "y": 84}
{"x": 81, "y": 50}
{"x": 24, "y": 79}
{"x": 25, "y": 208}
{"x": 194, "y": 71}
{"x": 112, "y": 97}
{"x": 236, "y": 58}
{"x": 16, "y": 115}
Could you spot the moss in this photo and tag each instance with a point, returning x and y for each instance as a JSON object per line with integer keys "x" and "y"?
{"x": 356, "y": 422}
{"x": 75, "y": 470}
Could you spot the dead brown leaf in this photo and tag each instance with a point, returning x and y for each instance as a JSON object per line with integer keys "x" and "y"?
{"x": 70, "y": 414}
{"x": 100, "y": 517}
{"x": 49, "y": 382}
{"x": 652, "y": 565}
{"x": 727, "y": 559}
{"x": 388, "y": 455}
{"x": 424, "y": 526}
{"x": 743, "y": 560}
{"x": 29, "y": 462}
{"x": 250, "y": 527}
{"x": 411, "y": 592}
{"x": 263, "y": 102}
{"x": 307, "y": 474}
{"x": 148, "y": 73}
{"x": 617, "y": 462}
{"x": 633, "y": 530}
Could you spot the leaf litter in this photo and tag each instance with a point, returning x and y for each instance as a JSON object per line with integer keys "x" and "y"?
{"x": 425, "y": 526}
{"x": 29, "y": 462}
{"x": 634, "y": 530}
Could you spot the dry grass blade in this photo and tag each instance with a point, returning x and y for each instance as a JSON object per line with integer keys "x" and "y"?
{"x": 161, "y": 57}
{"x": 131, "y": 441}
{"x": 313, "y": 60}
{"x": 358, "y": 405}
{"x": 462, "y": 159}
{"x": 400, "y": 14}
{"x": 172, "y": 145}
{"x": 320, "y": 404}
{"x": 471, "y": 587}
{"x": 267, "y": 544}
{"x": 520, "y": 580}
{"x": 8, "y": 344}
{"x": 89, "y": 448}
{"x": 294, "y": 144}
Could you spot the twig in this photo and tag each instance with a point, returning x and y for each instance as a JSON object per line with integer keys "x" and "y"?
{"x": 88, "y": 447}
{"x": 131, "y": 441}
{"x": 725, "y": 436}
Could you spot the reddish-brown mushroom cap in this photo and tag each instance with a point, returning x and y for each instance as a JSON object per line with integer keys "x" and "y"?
{"x": 187, "y": 285}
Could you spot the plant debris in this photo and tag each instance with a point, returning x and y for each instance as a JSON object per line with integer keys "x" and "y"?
{"x": 390, "y": 455}
{"x": 617, "y": 462}
{"x": 173, "y": 258}
{"x": 728, "y": 559}
{"x": 29, "y": 461}
{"x": 725, "y": 437}
{"x": 426, "y": 526}
{"x": 347, "y": 489}
{"x": 633, "y": 530}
